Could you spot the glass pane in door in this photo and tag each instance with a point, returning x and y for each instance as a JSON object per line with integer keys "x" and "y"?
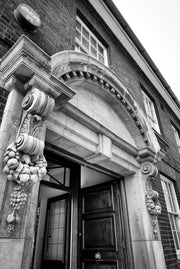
{"x": 55, "y": 241}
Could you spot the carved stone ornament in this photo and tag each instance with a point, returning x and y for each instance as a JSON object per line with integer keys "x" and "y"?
{"x": 38, "y": 103}
{"x": 152, "y": 203}
{"x": 24, "y": 162}
{"x": 149, "y": 169}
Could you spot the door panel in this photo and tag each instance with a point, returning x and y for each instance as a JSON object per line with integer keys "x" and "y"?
{"x": 98, "y": 200}
{"x": 101, "y": 231}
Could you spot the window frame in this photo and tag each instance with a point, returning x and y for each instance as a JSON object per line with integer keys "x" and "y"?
{"x": 174, "y": 215}
{"x": 151, "y": 111}
{"x": 92, "y": 38}
{"x": 176, "y": 136}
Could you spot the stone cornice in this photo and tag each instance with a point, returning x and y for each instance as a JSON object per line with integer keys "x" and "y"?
{"x": 28, "y": 64}
{"x": 53, "y": 86}
{"x": 27, "y": 52}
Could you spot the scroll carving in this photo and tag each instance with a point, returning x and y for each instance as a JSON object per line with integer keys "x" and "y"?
{"x": 152, "y": 203}
{"x": 149, "y": 168}
{"x": 24, "y": 162}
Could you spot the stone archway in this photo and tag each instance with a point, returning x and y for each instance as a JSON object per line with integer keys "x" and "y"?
{"x": 80, "y": 70}
{"x": 83, "y": 73}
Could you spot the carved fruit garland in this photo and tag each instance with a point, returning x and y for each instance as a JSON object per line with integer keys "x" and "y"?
{"x": 152, "y": 203}
{"x": 24, "y": 170}
{"x": 154, "y": 207}
{"x": 24, "y": 162}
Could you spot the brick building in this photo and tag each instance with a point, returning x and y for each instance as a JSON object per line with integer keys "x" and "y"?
{"x": 89, "y": 142}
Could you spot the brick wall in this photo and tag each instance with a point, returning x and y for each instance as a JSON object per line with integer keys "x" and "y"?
{"x": 56, "y": 32}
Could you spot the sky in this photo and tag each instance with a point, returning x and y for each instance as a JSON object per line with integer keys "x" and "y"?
{"x": 156, "y": 23}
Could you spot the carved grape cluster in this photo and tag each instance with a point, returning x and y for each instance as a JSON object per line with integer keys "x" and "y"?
{"x": 12, "y": 219}
{"x": 10, "y": 228}
{"x": 18, "y": 198}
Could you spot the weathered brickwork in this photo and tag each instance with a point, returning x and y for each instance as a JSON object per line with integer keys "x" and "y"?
{"x": 57, "y": 33}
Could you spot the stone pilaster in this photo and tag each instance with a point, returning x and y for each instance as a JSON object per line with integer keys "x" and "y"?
{"x": 34, "y": 93}
{"x": 24, "y": 165}
{"x": 143, "y": 209}
{"x": 9, "y": 126}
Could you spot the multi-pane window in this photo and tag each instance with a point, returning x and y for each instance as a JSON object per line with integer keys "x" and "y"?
{"x": 87, "y": 42}
{"x": 173, "y": 210}
{"x": 150, "y": 112}
{"x": 177, "y": 137}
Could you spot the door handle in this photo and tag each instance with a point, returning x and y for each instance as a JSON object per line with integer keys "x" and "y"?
{"x": 97, "y": 256}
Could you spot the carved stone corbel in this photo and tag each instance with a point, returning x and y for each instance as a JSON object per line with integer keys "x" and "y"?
{"x": 24, "y": 162}
{"x": 152, "y": 203}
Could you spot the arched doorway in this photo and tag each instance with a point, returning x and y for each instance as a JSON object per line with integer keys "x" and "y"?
{"x": 102, "y": 129}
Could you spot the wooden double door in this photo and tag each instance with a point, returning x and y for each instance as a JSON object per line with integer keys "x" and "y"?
{"x": 100, "y": 230}
{"x": 102, "y": 243}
